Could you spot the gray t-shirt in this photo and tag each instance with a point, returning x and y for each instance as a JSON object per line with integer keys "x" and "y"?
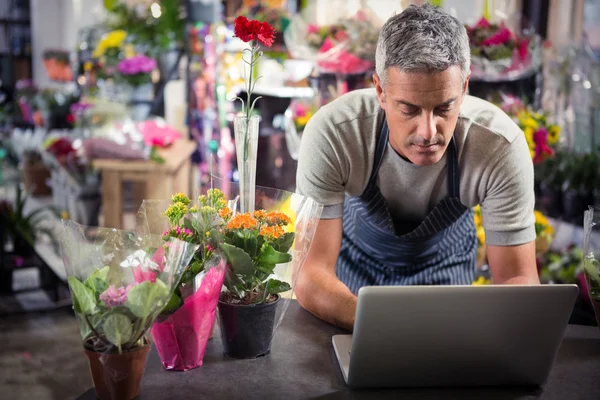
{"x": 337, "y": 154}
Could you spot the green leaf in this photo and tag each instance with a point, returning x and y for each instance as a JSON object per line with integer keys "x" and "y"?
{"x": 173, "y": 304}
{"x": 84, "y": 300}
{"x": 592, "y": 268}
{"x": 110, "y": 4}
{"x": 284, "y": 243}
{"x": 117, "y": 328}
{"x": 269, "y": 255}
{"x": 197, "y": 266}
{"x": 97, "y": 280}
{"x": 239, "y": 260}
{"x": 85, "y": 329}
{"x": 189, "y": 224}
{"x": 275, "y": 286}
{"x": 146, "y": 297}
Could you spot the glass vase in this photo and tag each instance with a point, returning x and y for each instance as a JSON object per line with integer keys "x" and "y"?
{"x": 591, "y": 251}
{"x": 246, "y": 145}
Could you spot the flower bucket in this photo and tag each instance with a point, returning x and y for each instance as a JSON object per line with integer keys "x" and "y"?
{"x": 117, "y": 376}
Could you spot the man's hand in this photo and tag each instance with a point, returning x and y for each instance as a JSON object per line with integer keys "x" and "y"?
{"x": 513, "y": 264}
{"x": 318, "y": 288}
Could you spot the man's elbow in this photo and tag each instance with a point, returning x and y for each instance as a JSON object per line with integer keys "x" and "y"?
{"x": 302, "y": 291}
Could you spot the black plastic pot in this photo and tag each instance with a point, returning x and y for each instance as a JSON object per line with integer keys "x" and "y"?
{"x": 247, "y": 330}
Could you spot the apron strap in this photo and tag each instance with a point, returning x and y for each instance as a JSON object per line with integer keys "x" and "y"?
{"x": 379, "y": 151}
{"x": 453, "y": 178}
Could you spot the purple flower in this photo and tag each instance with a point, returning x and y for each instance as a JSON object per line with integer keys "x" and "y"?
{"x": 139, "y": 64}
{"x": 79, "y": 107}
{"x": 113, "y": 297}
{"x": 23, "y": 84}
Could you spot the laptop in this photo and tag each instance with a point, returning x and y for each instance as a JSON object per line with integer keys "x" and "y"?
{"x": 455, "y": 336}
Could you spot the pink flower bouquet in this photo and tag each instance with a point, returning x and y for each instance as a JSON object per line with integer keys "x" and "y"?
{"x": 185, "y": 324}
{"x": 496, "y": 50}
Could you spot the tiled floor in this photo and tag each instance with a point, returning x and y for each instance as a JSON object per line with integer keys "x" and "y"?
{"x": 42, "y": 357}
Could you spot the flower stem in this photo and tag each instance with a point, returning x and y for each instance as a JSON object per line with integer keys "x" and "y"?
{"x": 249, "y": 93}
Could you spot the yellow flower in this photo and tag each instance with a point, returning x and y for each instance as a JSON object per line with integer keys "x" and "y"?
{"x": 553, "y": 134}
{"x": 540, "y": 218}
{"x": 129, "y": 50}
{"x": 180, "y": 198}
{"x": 303, "y": 120}
{"x": 480, "y": 236}
{"x": 529, "y": 137}
{"x": 532, "y": 153}
{"x": 526, "y": 121}
{"x": 482, "y": 281}
{"x": 176, "y": 211}
{"x": 109, "y": 40}
{"x": 87, "y": 66}
{"x": 114, "y": 38}
{"x": 194, "y": 209}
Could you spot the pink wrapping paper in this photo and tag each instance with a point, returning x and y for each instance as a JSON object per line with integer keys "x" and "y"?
{"x": 181, "y": 339}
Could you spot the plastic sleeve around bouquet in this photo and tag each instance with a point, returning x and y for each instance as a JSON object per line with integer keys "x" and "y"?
{"x": 264, "y": 253}
{"x": 591, "y": 251}
{"x": 183, "y": 328}
{"x": 119, "y": 282}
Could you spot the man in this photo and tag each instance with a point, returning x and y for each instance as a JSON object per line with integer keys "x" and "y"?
{"x": 399, "y": 168}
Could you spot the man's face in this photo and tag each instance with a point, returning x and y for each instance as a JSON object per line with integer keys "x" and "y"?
{"x": 421, "y": 111}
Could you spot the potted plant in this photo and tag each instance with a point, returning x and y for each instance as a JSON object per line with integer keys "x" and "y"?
{"x": 136, "y": 73}
{"x": 118, "y": 302}
{"x": 184, "y": 326}
{"x": 253, "y": 245}
{"x": 22, "y": 227}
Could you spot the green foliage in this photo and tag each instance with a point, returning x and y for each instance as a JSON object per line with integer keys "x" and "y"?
{"x": 116, "y": 325}
{"x": 154, "y": 34}
{"x": 144, "y": 297}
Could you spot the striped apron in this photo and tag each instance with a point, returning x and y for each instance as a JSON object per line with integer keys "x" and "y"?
{"x": 441, "y": 250}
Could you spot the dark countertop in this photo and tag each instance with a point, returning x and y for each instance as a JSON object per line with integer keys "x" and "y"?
{"x": 302, "y": 365}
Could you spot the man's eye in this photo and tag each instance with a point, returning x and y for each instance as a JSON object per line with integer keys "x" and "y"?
{"x": 443, "y": 110}
{"x": 410, "y": 110}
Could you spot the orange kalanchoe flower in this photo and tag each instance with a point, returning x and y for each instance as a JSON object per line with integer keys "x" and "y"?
{"x": 242, "y": 221}
{"x": 272, "y": 232}
{"x": 261, "y": 215}
{"x": 225, "y": 213}
{"x": 277, "y": 218}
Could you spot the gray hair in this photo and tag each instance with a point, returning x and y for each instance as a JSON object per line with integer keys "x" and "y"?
{"x": 422, "y": 39}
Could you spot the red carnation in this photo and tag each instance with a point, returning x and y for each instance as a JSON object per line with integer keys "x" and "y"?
{"x": 248, "y": 30}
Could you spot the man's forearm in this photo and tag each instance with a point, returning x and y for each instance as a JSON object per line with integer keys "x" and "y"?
{"x": 325, "y": 296}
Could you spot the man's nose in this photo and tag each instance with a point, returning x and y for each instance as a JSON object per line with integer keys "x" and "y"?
{"x": 427, "y": 129}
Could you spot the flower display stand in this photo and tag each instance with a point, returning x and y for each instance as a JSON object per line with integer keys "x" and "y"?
{"x": 157, "y": 181}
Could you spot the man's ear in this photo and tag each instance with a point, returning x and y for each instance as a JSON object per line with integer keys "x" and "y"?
{"x": 466, "y": 85}
{"x": 379, "y": 90}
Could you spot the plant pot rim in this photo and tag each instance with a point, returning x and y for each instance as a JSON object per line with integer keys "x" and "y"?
{"x": 89, "y": 349}
{"x": 256, "y": 305}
